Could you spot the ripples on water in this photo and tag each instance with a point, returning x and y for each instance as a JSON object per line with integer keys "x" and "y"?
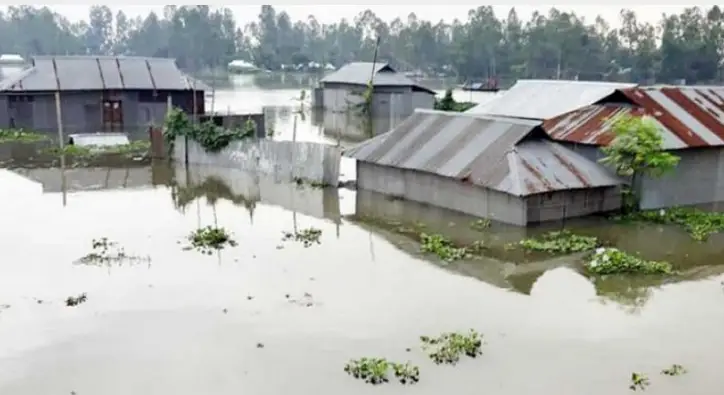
{"x": 159, "y": 328}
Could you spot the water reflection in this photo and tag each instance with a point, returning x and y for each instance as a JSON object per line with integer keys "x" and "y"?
{"x": 515, "y": 269}
{"x": 372, "y": 292}
{"x": 246, "y": 189}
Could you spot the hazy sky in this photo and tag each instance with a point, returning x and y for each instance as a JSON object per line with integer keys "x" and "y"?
{"x": 331, "y": 13}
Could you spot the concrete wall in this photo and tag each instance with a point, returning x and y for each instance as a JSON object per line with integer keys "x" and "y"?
{"x": 442, "y": 192}
{"x": 395, "y": 101}
{"x": 571, "y": 204}
{"x": 283, "y": 160}
{"x": 320, "y": 203}
{"x": 698, "y": 179}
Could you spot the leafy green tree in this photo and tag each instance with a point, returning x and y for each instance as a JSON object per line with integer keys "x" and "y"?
{"x": 637, "y": 150}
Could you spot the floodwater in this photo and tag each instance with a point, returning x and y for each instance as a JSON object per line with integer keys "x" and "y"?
{"x": 187, "y": 323}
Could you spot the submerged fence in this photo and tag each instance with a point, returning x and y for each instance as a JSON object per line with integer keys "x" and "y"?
{"x": 285, "y": 161}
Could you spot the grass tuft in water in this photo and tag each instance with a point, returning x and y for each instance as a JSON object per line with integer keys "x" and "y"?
{"x": 606, "y": 261}
{"x": 307, "y": 236}
{"x": 700, "y": 224}
{"x": 107, "y": 252}
{"x": 442, "y": 247}
{"x": 674, "y": 370}
{"x": 20, "y": 136}
{"x": 639, "y": 381}
{"x": 560, "y": 242}
{"x": 480, "y": 224}
{"x": 376, "y": 371}
{"x": 209, "y": 239}
{"x": 130, "y": 150}
{"x": 449, "y": 347}
{"x": 73, "y": 301}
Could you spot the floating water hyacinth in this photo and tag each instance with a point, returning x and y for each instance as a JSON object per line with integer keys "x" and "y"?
{"x": 605, "y": 261}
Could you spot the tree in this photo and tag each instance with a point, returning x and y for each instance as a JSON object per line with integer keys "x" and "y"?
{"x": 553, "y": 43}
{"x": 637, "y": 150}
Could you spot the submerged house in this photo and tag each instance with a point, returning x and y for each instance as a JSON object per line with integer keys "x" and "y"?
{"x": 505, "y": 169}
{"x": 691, "y": 122}
{"x": 98, "y": 93}
{"x": 395, "y": 95}
{"x": 580, "y": 114}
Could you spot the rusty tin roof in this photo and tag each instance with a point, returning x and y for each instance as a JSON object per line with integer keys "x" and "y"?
{"x": 686, "y": 116}
{"x": 496, "y": 153}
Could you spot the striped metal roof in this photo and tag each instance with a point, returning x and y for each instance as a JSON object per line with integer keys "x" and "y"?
{"x": 482, "y": 150}
{"x": 545, "y": 99}
{"x": 686, "y": 116}
{"x": 77, "y": 73}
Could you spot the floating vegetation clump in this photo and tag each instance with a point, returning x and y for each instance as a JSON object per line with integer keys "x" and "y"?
{"x": 310, "y": 183}
{"x": 449, "y": 347}
{"x": 700, "y": 224}
{"x": 107, "y": 252}
{"x": 307, "y": 236}
{"x": 209, "y": 239}
{"x": 376, "y": 371}
{"x": 73, "y": 301}
{"x": 674, "y": 370}
{"x": 442, "y": 247}
{"x": 131, "y": 150}
{"x": 480, "y": 224}
{"x": 606, "y": 261}
{"x": 560, "y": 242}
{"x": 639, "y": 381}
{"x": 20, "y": 136}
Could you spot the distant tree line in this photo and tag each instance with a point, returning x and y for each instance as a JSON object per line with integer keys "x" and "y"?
{"x": 556, "y": 44}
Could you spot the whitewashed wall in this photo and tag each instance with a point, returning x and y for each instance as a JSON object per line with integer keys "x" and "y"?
{"x": 282, "y": 160}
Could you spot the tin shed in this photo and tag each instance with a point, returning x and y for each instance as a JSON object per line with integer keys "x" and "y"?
{"x": 98, "y": 93}
{"x": 395, "y": 95}
{"x": 691, "y": 122}
{"x": 504, "y": 169}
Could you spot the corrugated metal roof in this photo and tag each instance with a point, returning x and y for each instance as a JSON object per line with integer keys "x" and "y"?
{"x": 482, "y": 150}
{"x": 686, "y": 116}
{"x": 359, "y": 73}
{"x": 75, "y": 73}
{"x": 545, "y": 99}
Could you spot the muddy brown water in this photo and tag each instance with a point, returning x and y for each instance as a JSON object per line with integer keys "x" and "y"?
{"x": 184, "y": 323}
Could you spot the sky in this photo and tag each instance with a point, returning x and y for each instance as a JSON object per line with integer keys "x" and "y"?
{"x": 332, "y": 13}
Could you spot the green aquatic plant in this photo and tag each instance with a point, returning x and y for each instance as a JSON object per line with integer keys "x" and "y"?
{"x": 449, "y": 347}
{"x": 674, "y": 370}
{"x": 307, "y": 236}
{"x": 376, "y": 371}
{"x": 107, "y": 252}
{"x": 442, "y": 247}
{"x": 312, "y": 184}
{"x": 73, "y": 301}
{"x": 560, "y": 242}
{"x": 639, "y": 381}
{"x": 131, "y": 150}
{"x": 21, "y": 136}
{"x": 605, "y": 261}
{"x": 209, "y": 239}
{"x": 480, "y": 224}
{"x": 700, "y": 224}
